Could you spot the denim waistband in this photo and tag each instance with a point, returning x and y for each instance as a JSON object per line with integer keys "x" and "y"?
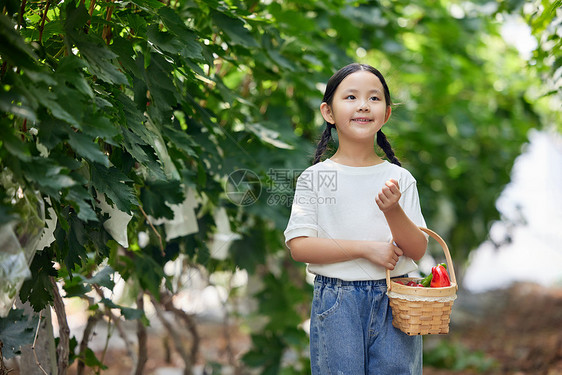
{"x": 335, "y": 281}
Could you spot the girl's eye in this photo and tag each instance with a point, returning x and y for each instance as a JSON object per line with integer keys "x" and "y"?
{"x": 351, "y": 97}
{"x": 375, "y": 98}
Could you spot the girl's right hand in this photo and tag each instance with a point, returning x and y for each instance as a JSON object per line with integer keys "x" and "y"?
{"x": 383, "y": 254}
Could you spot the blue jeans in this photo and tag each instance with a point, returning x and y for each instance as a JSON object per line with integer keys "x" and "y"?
{"x": 351, "y": 331}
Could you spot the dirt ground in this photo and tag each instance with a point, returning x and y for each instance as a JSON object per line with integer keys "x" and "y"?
{"x": 517, "y": 331}
{"x": 520, "y": 329}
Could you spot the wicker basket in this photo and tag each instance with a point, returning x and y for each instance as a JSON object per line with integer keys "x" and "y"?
{"x": 422, "y": 311}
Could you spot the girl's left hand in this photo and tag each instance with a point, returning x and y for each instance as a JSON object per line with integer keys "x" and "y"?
{"x": 389, "y": 196}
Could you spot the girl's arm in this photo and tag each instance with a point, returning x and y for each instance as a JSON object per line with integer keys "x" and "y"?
{"x": 405, "y": 233}
{"x": 327, "y": 250}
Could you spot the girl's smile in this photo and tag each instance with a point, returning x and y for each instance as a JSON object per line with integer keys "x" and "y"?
{"x": 361, "y": 119}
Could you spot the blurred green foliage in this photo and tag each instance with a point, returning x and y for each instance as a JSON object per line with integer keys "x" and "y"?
{"x": 456, "y": 357}
{"x": 139, "y": 102}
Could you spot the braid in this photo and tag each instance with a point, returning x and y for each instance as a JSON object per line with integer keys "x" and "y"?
{"x": 383, "y": 143}
{"x": 323, "y": 143}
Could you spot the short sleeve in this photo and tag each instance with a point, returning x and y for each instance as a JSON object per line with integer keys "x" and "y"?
{"x": 303, "y": 221}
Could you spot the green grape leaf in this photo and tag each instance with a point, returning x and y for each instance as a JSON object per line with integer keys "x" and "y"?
{"x": 154, "y": 196}
{"x": 17, "y": 330}
{"x": 103, "y": 278}
{"x": 85, "y": 146}
{"x": 234, "y": 29}
{"x": 37, "y": 290}
{"x": 113, "y": 183}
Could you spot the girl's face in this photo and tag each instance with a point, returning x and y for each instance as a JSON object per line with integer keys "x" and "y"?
{"x": 358, "y": 108}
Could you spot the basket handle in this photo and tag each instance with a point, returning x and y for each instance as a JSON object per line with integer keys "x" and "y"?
{"x": 447, "y": 257}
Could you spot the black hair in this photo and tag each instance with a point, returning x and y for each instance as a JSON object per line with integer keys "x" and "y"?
{"x": 331, "y": 87}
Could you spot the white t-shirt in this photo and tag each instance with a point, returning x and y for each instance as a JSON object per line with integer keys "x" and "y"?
{"x": 337, "y": 201}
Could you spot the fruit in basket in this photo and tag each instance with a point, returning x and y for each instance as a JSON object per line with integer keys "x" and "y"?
{"x": 413, "y": 283}
{"x": 440, "y": 277}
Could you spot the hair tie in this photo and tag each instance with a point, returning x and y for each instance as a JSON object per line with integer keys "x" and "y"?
{"x": 330, "y": 125}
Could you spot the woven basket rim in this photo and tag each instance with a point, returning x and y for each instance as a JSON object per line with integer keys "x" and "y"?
{"x": 422, "y": 291}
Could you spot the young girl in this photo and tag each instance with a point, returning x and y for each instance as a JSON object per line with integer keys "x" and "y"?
{"x": 355, "y": 215}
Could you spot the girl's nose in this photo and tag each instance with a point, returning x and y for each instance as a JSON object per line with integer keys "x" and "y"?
{"x": 363, "y": 106}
